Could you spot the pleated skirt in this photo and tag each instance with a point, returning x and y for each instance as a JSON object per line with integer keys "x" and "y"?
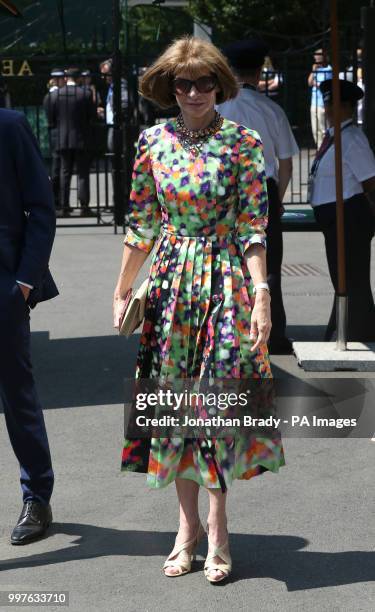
{"x": 197, "y": 325}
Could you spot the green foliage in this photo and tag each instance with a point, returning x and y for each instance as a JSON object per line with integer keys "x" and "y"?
{"x": 150, "y": 28}
{"x": 285, "y": 24}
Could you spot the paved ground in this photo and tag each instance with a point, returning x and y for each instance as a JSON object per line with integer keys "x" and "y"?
{"x": 300, "y": 540}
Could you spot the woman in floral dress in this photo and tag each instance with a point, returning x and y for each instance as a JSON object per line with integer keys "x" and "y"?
{"x": 199, "y": 198}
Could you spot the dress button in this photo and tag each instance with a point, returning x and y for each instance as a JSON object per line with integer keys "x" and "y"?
{"x": 216, "y": 298}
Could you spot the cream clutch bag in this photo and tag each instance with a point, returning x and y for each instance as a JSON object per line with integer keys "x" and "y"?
{"x": 134, "y": 312}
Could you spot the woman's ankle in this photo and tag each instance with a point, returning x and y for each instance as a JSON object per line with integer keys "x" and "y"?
{"x": 190, "y": 524}
{"x": 215, "y": 520}
{"x": 217, "y": 527}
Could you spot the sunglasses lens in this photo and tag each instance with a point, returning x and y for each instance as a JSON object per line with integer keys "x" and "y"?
{"x": 206, "y": 84}
{"x": 182, "y": 86}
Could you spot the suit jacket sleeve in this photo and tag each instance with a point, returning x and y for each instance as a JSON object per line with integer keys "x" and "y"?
{"x": 37, "y": 200}
{"x": 124, "y": 95}
{"x": 91, "y": 107}
{"x": 49, "y": 109}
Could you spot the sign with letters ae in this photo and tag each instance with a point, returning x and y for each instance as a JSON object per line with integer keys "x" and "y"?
{"x": 15, "y": 67}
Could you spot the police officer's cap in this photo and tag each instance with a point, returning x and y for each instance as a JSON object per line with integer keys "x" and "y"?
{"x": 349, "y": 92}
{"x": 57, "y": 72}
{"x": 249, "y": 53}
{"x": 73, "y": 73}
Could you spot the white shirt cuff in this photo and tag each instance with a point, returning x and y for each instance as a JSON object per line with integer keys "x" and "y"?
{"x": 25, "y": 284}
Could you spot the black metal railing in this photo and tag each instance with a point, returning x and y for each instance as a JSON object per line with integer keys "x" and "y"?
{"x": 74, "y": 124}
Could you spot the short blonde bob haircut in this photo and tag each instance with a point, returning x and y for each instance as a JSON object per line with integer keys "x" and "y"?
{"x": 191, "y": 55}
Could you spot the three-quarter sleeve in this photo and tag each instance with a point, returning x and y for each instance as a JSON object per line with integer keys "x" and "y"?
{"x": 144, "y": 206}
{"x": 252, "y": 209}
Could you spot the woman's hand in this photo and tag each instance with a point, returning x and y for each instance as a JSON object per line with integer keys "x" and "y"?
{"x": 261, "y": 319}
{"x": 119, "y": 303}
{"x": 133, "y": 259}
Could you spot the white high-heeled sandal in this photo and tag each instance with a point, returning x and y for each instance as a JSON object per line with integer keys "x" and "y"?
{"x": 226, "y": 567}
{"x": 184, "y": 557}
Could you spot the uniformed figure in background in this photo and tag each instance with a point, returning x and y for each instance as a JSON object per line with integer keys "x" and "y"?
{"x": 256, "y": 111}
{"x": 72, "y": 112}
{"x": 56, "y": 81}
{"x": 358, "y": 169}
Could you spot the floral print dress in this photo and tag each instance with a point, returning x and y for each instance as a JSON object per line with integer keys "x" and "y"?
{"x": 200, "y": 212}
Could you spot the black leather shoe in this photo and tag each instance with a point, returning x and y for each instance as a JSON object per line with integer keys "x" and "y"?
{"x": 34, "y": 521}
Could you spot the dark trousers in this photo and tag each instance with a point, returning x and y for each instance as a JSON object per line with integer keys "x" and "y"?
{"x": 274, "y": 261}
{"x": 55, "y": 167}
{"x": 359, "y": 230}
{"x": 22, "y": 409}
{"x": 111, "y": 149}
{"x": 81, "y": 159}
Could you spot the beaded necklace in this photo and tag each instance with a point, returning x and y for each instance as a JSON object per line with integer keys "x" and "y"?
{"x": 193, "y": 140}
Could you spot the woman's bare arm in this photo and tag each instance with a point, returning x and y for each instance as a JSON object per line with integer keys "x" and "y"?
{"x": 132, "y": 261}
{"x": 255, "y": 257}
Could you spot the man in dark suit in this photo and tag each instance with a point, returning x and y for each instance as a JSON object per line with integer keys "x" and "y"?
{"x": 71, "y": 110}
{"x": 27, "y": 230}
{"x": 107, "y": 113}
{"x": 56, "y": 81}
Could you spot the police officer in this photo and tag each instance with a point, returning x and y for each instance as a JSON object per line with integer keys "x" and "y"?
{"x": 358, "y": 169}
{"x": 56, "y": 81}
{"x": 256, "y": 111}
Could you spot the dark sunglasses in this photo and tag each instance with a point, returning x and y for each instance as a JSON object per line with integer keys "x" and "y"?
{"x": 204, "y": 84}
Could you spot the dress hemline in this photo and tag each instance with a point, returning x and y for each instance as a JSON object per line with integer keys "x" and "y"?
{"x": 251, "y": 472}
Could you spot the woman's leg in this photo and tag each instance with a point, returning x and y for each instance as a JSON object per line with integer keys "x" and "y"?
{"x": 187, "y": 492}
{"x": 217, "y": 525}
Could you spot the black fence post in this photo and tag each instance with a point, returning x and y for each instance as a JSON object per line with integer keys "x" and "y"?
{"x": 117, "y": 163}
{"x": 368, "y": 25}
{"x": 131, "y": 125}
